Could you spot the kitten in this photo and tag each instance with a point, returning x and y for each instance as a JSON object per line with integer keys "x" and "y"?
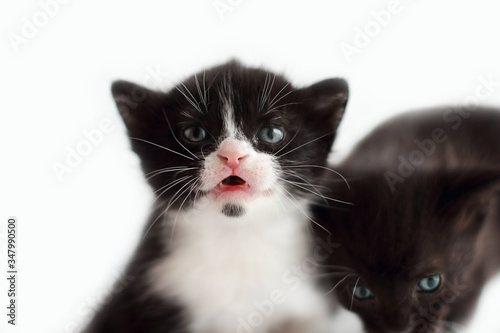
{"x": 414, "y": 255}
{"x": 441, "y": 137}
{"x": 232, "y": 155}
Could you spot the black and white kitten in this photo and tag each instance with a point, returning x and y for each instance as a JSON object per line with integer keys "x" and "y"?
{"x": 232, "y": 154}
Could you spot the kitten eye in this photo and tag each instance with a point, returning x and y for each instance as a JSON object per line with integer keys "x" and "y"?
{"x": 361, "y": 292}
{"x": 270, "y": 134}
{"x": 429, "y": 283}
{"x": 195, "y": 134}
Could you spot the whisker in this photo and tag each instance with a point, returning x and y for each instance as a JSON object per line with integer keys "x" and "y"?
{"x": 191, "y": 189}
{"x": 199, "y": 90}
{"x": 299, "y": 185}
{"x": 321, "y": 167}
{"x": 170, "y": 185}
{"x": 205, "y": 91}
{"x": 325, "y": 275}
{"x": 170, "y": 203}
{"x": 172, "y": 182}
{"x": 160, "y": 146}
{"x": 286, "y": 145}
{"x": 211, "y": 84}
{"x": 188, "y": 99}
{"x": 178, "y": 194}
{"x": 196, "y": 195}
{"x": 302, "y": 210}
{"x": 348, "y": 269}
{"x": 260, "y": 97}
{"x": 318, "y": 194}
{"x": 160, "y": 171}
{"x": 280, "y": 106}
{"x": 267, "y": 92}
{"x": 295, "y": 174}
{"x": 167, "y": 168}
{"x": 270, "y": 88}
{"x": 275, "y": 195}
{"x": 175, "y": 137}
{"x": 309, "y": 142}
{"x": 271, "y": 103}
{"x": 338, "y": 283}
{"x": 279, "y": 99}
{"x": 354, "y": 290}
{"x": 194, "y": 101}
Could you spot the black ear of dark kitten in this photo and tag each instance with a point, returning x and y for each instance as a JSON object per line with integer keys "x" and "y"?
{"x": 439, "y": 232}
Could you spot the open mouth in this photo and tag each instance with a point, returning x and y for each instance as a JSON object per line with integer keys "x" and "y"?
{"x": 233, "y": 192}
{"x": 233, "y": 182}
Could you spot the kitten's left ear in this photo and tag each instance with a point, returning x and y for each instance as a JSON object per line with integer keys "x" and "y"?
{"x": 326, "y": 101}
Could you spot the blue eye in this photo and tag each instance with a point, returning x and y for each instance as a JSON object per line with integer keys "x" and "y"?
{"x": 361, "y": 292}
{"x": 429, "y": 283}
{"x": 195, "y": 134}
{"x": 270, "y": 134}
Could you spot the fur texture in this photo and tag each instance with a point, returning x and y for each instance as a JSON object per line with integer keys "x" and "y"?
{"x": 441, "y": 219}
{"x": 233, "y": 155}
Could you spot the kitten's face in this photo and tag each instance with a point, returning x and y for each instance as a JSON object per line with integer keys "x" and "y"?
{"x": 231, "y": 134}
{"x": 407, "y": 259}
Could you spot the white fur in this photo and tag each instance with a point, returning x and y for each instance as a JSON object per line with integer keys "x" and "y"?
{"x": 220, "y": 266}
{"x": 229, "y": 123}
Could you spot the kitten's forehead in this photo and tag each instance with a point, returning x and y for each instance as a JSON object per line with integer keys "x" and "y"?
{"x": 226, "y": 95}
{"x": 230, "y": 128}
{"x": 402, "y": 228}
{"x": 237, "y": 97}
{"x": 409, "y": 231}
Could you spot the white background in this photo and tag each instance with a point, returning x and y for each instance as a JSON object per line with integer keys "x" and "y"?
{"x": 77, "y": 234}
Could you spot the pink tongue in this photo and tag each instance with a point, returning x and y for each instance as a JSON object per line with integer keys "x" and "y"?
{"x": 233, "y": 181}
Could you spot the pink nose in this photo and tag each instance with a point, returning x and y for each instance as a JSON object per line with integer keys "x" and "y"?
{"x": 231, "y": 152}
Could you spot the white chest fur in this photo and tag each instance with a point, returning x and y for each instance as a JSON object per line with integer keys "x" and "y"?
{"x": 239, "y": 274}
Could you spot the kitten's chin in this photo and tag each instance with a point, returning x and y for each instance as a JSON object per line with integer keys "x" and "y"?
{"x": 234, "y": 199}
{"x": 233, "y": 210}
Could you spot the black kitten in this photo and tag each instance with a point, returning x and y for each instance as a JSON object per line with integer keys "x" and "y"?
{"x": 231, "y": 154}
{"x": 415, "y": 253}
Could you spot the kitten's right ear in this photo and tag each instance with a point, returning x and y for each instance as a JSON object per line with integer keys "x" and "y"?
{"x": 137, "y": 105}
{"x": 326, "y": 101}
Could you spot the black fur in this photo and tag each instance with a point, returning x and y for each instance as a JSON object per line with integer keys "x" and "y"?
{"x": 442, "y": 218}
{"x": 233, "y": 210}
{"x": 309, "y": 117}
